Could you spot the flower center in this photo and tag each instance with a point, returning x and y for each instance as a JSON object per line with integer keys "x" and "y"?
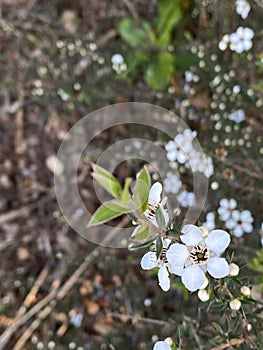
{"x": 150, "y": 211}
{"x": 199, "y": 255}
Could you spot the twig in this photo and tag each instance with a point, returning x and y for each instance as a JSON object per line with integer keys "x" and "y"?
{"x": 231, "y": 343}
{"x": 195, "y": 335}
{"x": 57, "y": 293}
{"x": 25, "y": 210}
{"x": 19, "y": 142}
{"x": 34, "y": 325}
{"x": 85, "y": 62}
{"x": 131, "y": 8}
{"x": 139, "y": 319}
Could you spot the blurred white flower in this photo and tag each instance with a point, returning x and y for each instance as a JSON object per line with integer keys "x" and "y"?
{"x": 235, "y": 304}
{"x": 150, "y": 261}
{"x": 154, "y": 202}
{"x": 237, "y": 116}
{"x": 240, "y": 222}
{"x": 200, "y": 162}
{"x": 226, "y": 207}
{"x": 241, "y": 40}
{"x": 117, "y": 59}
{"x": 243, "y": 8}
{"x": 172, "y": 184}
{"x": 182, "y": 145}
{"x": 186, "y": 199}
{"x": 162, "y": 345}
{"x": 223, "y": 44}
{"x": 190, "y": 77}
{"x": 197, "y": 255}
{"x": 210, "y": 221}
{"x": 261, "y": 233}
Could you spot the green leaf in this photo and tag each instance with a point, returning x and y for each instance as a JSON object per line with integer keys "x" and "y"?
{"x": 125, "y": 194}
{"x": 143, "y": 232}
{"x": 169, "y": 15}
{"x": 108, "y": 211}
{"x": 159, "y": 216}
{"x": 141, "y": 245}
{"x": 135, "y": 34}
{"x": 160, "y": 71}
{"x": 159, "y": 246}
{"x": 107, "y": 181}
{"x": 142, "y": 189}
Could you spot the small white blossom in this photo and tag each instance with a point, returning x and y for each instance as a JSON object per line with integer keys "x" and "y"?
{"x": 241, "y": 40}
{"x": 197, "y": 255}
{"x": 210, "y": 221}
{"x": 240, "y": 222}
{"x": 238, "y": 116}
{"x": 223, "y": 44}
{"x": 150, "y": 261}
{"x": 243, "y": 8}
{"x": 117, "y": 59}
{"x": 200, "y": 162}
{"x": 163, "y": 345}
{"x": 186, "y": 199}
{"x": 154, "y": 202}
{"x": 180, "y": 148}
{"x": 245, "y": 290}
{"x": 226, "y": 207}
{"x": 172, "y": 184}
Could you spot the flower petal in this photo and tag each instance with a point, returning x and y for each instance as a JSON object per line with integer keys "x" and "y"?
{"x": 218, "y": 267}
{"x": 155, "y": 192}
{"x": 193, "y": 278}
{"x": 177, "y": 255}
{"x": 149, "y": 261}
{"x": 192, "y": 235}
{"x": 217, "y": 241}
{"x": 161, "y": 345}
{"x": 163, "y": 277}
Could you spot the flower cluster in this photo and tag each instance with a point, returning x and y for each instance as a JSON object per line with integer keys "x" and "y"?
{"x": 239, "y": 41}
{"x": 243, "y": 8}
{"x": 196, "y": 252}
{"x": 238, "y": 221}
{"x": 182, "y": 150}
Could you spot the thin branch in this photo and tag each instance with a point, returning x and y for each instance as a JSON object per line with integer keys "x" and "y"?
{"x": 139, "y": 319}
{"x": 131, "y": 8}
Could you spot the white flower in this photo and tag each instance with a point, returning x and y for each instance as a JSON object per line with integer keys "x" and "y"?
{"x": 226, "y": 206}
{"x": 161, "y": 345}
{"x": 223, "y": 44}
{"x": 182, "y": 145}
{"x": 172, "y": 184}
{"x": 240, "y": 222}
{"x": 154, "y": 202}
{"x": 237, "y": 116}
{"x": 200, "y": 162}
{"x": 243, "y": 8}
{"x": 150, "y": 261}
{"x": 117, "y": 59}
{"x": 210, "y": 221}
{"x": 241, "y": 40}
{"x": 186, "y": 199}
{"x": 197, "y": 255}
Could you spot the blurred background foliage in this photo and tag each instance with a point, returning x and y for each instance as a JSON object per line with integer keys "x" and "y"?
{"x": 57, "y": 64}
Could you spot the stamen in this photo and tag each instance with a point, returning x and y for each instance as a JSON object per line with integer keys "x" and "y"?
{"x": 199, "y": 255}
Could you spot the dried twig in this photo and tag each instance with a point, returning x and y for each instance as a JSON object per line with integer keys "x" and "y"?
{"x": 131, "y": 8}
{"x": 56, "y": 293}
{"x": 139, "y": 319}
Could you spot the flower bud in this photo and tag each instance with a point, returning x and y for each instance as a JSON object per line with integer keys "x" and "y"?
{"x": 235, "y": 304}
{"x": 245, "y": 291}
{"x": 203, "y": 295}
{"x": 249, "y": 327}
{"x": 204, "y": 230}
{"x": 234, "y": 269}
{"x": 168, "y": 341}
